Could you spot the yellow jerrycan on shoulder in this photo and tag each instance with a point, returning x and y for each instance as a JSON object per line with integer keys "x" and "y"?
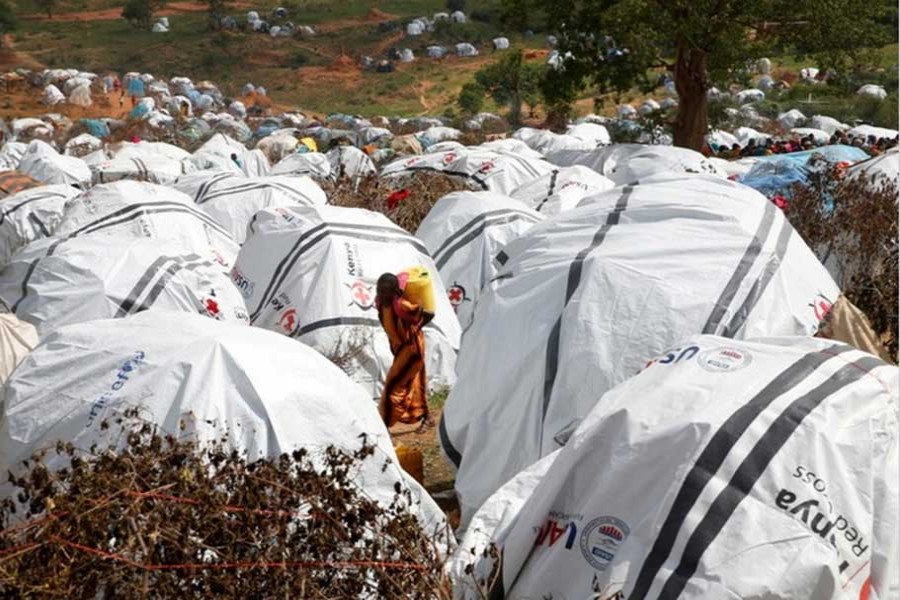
{"x": 417, "y": 287}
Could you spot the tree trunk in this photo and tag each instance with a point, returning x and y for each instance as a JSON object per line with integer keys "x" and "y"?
{"x": 690, "y": 83}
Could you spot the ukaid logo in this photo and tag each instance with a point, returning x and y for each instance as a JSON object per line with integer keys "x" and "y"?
{"x": 361, "y": 294}
{"x": 724, "y": 359}
{"x": 123, "y": 375}
{"x": 601, "y": 539}
{"x": 245, "y": 286}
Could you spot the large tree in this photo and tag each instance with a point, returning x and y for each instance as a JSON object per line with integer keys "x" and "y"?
{"x": 619, "y": 44}
{"x": 512, "y": 81}
{"x": 8, "y": 20}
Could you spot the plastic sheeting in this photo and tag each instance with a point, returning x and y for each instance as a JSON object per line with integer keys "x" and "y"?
{"x": 585, "y": 298}
{"x": 562, "y": 189}
{"x": 265, "y": 394}
{"x": 464, "y": 232}
{"x": 310, "y": 273}
{"x": 31, "y": 215}
{"x": 312, "y": 164}
{"x": 490, "y": 171}
{"x": 48, "y": 166}
{"x": 779, "y": 452}
{"x": 627, "y": 163}
{"x": 17, "y": 339}
{"x": 56, "y": 282}
{"x": 233, "y": 200}
{"x": 144, "y": 210}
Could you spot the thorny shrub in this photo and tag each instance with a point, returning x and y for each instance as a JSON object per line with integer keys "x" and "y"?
{"x": 373, "y": 193}
{"x": 170, "y": 518}
{"x": 851, "y": 223}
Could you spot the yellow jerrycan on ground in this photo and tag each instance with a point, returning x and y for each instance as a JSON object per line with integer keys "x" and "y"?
{"x": 417, "y": 287}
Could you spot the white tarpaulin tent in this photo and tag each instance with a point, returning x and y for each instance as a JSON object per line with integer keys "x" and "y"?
{"x": 726, "y": 469}
{"x": 31, "y": 215}
{"x": 585, "y": 298}
{"x": 48, "y": 166}
{"x": 310, "y": 273}
{"x": 51, "y": 282}
{"x": 144, "y": 210}
{"x": 591, "y": 132}
{"x": 879, "y": 170}
{"x": 17, "y": 339}
{"x": 233, "y": 200}
{"x": 509, "y": 146}
{"x": 491, "y": 171}
{"x": 562, "y": 189}
{"x": 347, "y": 161}
{"x": 154, "y": 169}
{"x": 216, "y": 153}
{"x": 464, "y": 232}
{"x": 545, "y": 142}
{"x": 195, "y": 377}
{"x": 312, "y": 164}
{"x": 627, "y": 163}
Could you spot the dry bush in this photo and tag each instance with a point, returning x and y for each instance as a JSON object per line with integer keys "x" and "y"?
{"x": 349, "y": 347}
{"x": 373, "y": 193}
{"x": 169, "y": 518}
{"x": 854, "y": 222}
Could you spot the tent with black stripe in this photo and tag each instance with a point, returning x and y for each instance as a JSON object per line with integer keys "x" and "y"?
{"x": 31, "y": 215}
{"x": 625, "y": 163}
{"x": 310, "y": 273}
{"x": 464, "y": 232}
{"x": 261, "y": 393}
{"x": 134, "y": 209}
{"x": 43, "y": 163}
{"x": 725, "y": 469}
{"x": 562, "y": 189}
{"x": 584, "y": 298}
{"x": 233, "y": 200}
{"x": 52, "y": 282}
{"x": 486, "y": 170}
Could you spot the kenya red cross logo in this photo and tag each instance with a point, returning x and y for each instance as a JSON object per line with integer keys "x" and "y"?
{"x": 821, "y": 307}
{"x": 361, "y": 295}
{"x": 288, "y": 321}
{"x": 457, "y": 295}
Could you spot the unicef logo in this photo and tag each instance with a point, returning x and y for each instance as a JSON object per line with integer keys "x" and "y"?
{"x": 601, "y": 539}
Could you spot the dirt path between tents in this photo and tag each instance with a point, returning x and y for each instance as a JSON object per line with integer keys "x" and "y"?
{"x": 115, "y": 13}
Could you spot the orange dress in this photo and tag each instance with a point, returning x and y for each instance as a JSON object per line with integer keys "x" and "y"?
{"x": 404, "y": 399}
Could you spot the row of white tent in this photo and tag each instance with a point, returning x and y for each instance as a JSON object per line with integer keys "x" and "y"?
{"x": 568, "y": 268}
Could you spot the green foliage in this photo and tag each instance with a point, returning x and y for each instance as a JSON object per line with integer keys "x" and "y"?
{"x": 139, "y": 13}
{"x": 46, "y": 6}
{"x": 702, "y": 42}
{"x": 471, "y": 98}
{"x": 8, "y": 20}
{"x": 217, "y": 10}
{"x": 511, "y": 81}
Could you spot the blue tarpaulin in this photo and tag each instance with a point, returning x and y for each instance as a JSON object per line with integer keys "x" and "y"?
{"x": 96, "y": 127}
{"x": 776, "y": 174}
{"x": 136, "y": 88}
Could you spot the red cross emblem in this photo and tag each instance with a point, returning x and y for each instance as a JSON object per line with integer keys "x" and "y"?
{"x": 288, "y": 321}
{"x": 457, "y": 295}
{"x": 361, "y": 295}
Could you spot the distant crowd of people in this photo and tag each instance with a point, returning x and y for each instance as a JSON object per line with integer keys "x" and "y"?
{"x": 873, "y": 145}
